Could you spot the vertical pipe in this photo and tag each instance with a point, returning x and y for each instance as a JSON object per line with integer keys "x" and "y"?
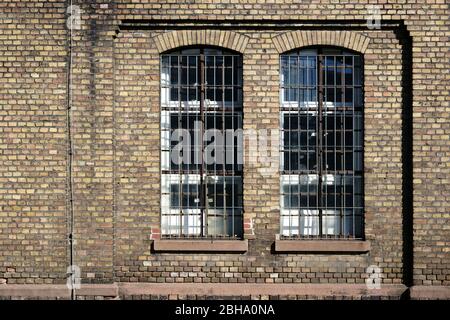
{"x": 70, "y": 151}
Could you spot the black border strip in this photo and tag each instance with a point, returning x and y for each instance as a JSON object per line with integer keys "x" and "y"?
{"x": 255, "y": 24}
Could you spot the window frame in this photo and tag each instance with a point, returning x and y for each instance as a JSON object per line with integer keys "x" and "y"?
{"x": 286, "y": 107}
{"x": 202, "y": 107}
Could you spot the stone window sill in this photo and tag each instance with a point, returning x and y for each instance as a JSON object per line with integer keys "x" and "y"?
{"x": 200, "y": 245}
{"x": 322, "y": 246}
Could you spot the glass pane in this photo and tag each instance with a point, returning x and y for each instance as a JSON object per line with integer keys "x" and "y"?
{"x": 348, "y": 76}
{"x": 330, "y": 74}
{"x": 309, "y": 224}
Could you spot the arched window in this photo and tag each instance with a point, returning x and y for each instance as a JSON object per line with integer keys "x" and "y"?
{"x": 201, "y": 159}
{"x": 321, "y": 97}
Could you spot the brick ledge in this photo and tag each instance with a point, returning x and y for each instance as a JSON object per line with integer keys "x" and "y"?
{"x": 322, "y": 246}
{"x": 200, "y": 245}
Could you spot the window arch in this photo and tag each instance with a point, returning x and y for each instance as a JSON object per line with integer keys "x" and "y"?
{"x": 201, "y": 163}
{"x": 321, "y": 101}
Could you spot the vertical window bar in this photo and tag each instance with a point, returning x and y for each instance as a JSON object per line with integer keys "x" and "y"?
{"x": 281, "y": 147}
{"x": 325, "y": 150}
{"x": 290, "y": 95}
{"x": 214, "y": 115}
{"x": 327, "y": 112}
{"x": 319, "y": 141}
{"x": 337, "y": 224}
{"x": 344, "y": 147}
{"x": 353, "y": 150}
{"x": 188, "y": 110}
{"x": 342, "y": 155}
{"x": 196, "y": 117}
{"x": 203, "y": 207}
{"x": 227, "y": 143}
{"x": 298, "y": 146}
{"x": 180, "y": 176}
{"x": 224, "y": 208}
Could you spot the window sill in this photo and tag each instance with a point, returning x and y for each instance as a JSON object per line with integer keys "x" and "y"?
{"x": 322, "y": 246}
{"x": 200, "y": 245}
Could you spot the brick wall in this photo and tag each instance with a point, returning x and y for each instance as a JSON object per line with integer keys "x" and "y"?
{"x": 33, "y": 94}
{"x": 110, "y": 184}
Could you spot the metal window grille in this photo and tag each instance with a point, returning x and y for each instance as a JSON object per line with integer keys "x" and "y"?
{"x": 321, "y": 98}
{"x": 201, "y": 91}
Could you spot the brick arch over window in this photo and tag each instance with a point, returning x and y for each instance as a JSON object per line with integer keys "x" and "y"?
{"x": 297, "y": 39}
{"x": 222, "y": 38}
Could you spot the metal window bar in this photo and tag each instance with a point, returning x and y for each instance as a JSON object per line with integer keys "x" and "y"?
{"x": 207, "y": 199}
{"x": 328, "y": 197}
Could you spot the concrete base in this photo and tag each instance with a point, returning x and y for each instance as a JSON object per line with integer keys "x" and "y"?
{"x": 179, "y": 290}
{"x": 430, "y": 292}
{"x": 252, "y": 289}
